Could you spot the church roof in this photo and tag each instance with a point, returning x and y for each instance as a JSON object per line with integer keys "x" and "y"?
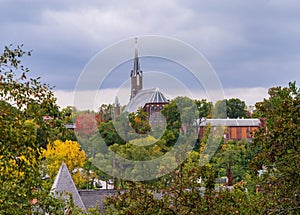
{"x": 158, "y": 97}
{"x": 64, "y": 183}
{"x": 143, "y": 97}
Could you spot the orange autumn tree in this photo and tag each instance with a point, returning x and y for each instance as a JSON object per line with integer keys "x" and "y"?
{"x": 86, "y": 124}
{"x": 68, "y": 152}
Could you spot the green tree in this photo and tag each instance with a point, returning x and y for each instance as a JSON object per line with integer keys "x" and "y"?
{"x": 231, "y": 158}
{"x": 278, "y": 146}
{"x": 109, "y": 134}
{"x": 69, "y": 114}
{"x": 219, "y": 109}
{"x": 183, "y": 192}
{"x": 171, "y": 112}
{"x": 236, "y": 108}
{"x": 275, "y": 146}
{"x": 233, "y": 108}
{"x": 24, "y": 104}
{"x": 204, "y": 108}
{"x": 139, "y": 121}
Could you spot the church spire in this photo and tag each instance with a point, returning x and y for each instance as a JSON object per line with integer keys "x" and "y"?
{"x": 136, "y": 74}
{"x": 117, "y": 107}
{"x": 136, "y": 64}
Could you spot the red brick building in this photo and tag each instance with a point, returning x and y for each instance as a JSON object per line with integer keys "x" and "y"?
{"x": 234, "y": 129}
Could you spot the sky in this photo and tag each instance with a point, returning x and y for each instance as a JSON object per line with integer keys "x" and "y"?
{"x": 251, "y": 45}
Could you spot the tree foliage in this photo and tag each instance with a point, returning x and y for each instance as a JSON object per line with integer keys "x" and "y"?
{"x": 139, "y": 121}
{"x": 68, "y": 152}
{"x": 182, "y": 192}
{"x": 231, "y": 159}
{"x": 191, "y": 188}
{"x": 236, "y": 108}
{"x": 109, "y": 134}
{"x": 278, "y": 146}
{"x": 204, "y": 108}
{"x": 232, "y": 108}
{"x": 86, "y": 124}
{"x": 24, "y": 103}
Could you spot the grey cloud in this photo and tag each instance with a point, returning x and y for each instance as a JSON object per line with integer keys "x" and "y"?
{"x": 248, "y": 43}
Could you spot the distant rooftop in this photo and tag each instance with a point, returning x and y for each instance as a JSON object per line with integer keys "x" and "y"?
{"x": 230, "y": 122}
{"x": 143, "y": 97}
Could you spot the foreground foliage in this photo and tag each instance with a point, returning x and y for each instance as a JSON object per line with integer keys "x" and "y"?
{"x": 278, "y": 149}
{"x": 23, "y": 132}
{"x": 184, "y": 194}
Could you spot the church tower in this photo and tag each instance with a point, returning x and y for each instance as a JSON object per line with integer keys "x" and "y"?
{"x": 136, "y": 74}
{"x": 117, "y": 108}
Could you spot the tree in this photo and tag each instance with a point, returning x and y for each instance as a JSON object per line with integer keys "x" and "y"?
{"x": 233, "y": 108}
{"x": 204, "y": 108}
{"x": 236, "y": 108}
{"x": 275, "y": 147}
{"x": 278, "y": 146}
{"x": 68, "y": 152}
{"x": 106, "y": 112}
{"x": 68, "y": 113}
{"x": 86, "y": 125}
{"x": 109, "y": 134}
{"x": 230, "y": 159}
{"x": 139, "y": 121}
{"x": 172, "y": 114}
{"x": 181, "y": 113}
{"x": 24, "y": 104}
{"x": 184, "y": 193}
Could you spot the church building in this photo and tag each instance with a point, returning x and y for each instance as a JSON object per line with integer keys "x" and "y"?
{"x": 151, "y": 100}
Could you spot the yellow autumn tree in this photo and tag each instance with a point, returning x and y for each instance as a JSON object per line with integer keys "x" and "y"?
{"x": 68, "y": 152}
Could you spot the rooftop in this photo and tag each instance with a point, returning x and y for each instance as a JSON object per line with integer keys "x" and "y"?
{"x": 230, "y": 122}
{"x": 143, "y": 97}
{"x": 64, "y": 183}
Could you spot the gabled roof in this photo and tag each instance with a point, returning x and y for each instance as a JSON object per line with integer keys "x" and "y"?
{"x": 64, "y": 183}
{"x": 143, "y": 97}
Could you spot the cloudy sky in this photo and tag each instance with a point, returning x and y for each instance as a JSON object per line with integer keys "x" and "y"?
{"x": 251, "y": 45}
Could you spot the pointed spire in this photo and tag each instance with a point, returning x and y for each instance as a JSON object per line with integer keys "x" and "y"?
{"x": 136, "y": 74}
{"x": 117, "y": 107}
{"x": 136, "y": 64}
{"x": 64, "y": 183}
{"x": 136, "y": 51}
{"x": 117, "y": 102}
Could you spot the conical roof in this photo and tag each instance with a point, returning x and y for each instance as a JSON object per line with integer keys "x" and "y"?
{"x": 158, "y": 97}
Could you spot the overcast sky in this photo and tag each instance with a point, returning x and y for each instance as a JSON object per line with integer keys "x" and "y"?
{"x": 251, "y": 45}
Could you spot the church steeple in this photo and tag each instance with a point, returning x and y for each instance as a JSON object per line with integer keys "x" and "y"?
{"x": 136, "y": 74}
{"x": 117, "y": 108}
